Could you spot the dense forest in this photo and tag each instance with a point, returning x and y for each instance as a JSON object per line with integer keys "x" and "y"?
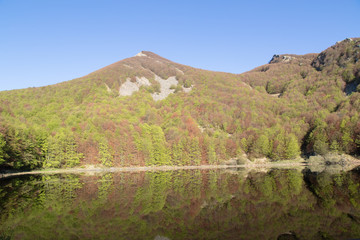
{"x": 123, "y": 114}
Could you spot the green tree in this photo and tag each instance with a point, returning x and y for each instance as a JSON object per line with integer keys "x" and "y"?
{"x": 178, "y": 155}
{"x": 346, "y": 141}
{"x": 279, "y": 147}
{"x": 292, "y": 147}
{"x": 211, "y": 152}
{"x": 159, "y": 151}
{"x": 20, "y": 148}
{"x": 334, "y": 146}
{"x": 346, "y": 135}
{"x": 194, "y": 151}
{"x": 244, "y": 145}
{"x": 153, "y": 144}
{"x": 72, "y": 156}
{"x": 2, "y": 150}
{"x": 263, "y": 145}
{"x": 61, "y": 151}
{"x": 348, "y": 75}
{"x": 320, "y": 146}
{"x": 105, "y": 156}
{"x": 144, "y": 143}
{"x": 54, "y": 155}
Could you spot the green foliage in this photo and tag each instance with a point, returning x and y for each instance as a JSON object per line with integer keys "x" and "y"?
{"x": 106, "y": 157}
{"x": 268, "y": 186}
{"x": 335, "y": 147}
{"x": 348, "y": 76}
{"x": 194, "y": 151}
{"x": 153, "y": 144}
{"x": 154, "y": 88}
{"x": 295, "y": 181}
{"x": 178, "y": 154}
{"x": 20, "y": 149}
{"x": 153, "y": 198}
{"x": 320, "y": 146}
{"x": 346, "y": 140}
{"x": 263, "y": 145}
{"x": 244, "y": 144}
{"x": 59, "y": 125}
{"x": 61, "y": 152}
{"x": 106, "y": 184}
{"x": 271, "y": 88}
{"x": 279, "y": 147}
{"x": 2, "y": 150}
{"x": 183, "y": 204}
{"x": 177, "y": 88}
{"x": 187, "y": 83}
{"x": 212, "y": 153}
{"x": 292, "y": 147}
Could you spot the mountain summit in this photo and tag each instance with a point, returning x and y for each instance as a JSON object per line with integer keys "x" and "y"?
{"x": 148, "y": 110}
{"x": 141, "y": 54}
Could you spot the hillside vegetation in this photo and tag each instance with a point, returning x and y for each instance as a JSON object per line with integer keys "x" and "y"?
{"x": 294, "y": 105}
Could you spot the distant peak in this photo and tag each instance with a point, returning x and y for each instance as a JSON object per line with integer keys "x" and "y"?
{"x": 141, "y": 54}
{"x": 151, "y": 55}
{"x": 285, "y": 58}
{"x": 347, "y": 40}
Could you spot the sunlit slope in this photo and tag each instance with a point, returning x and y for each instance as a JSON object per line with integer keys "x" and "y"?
{"x": 147, "y": 110}
{"x": 321, "y": 88}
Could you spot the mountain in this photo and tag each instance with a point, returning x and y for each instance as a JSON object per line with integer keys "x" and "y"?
{"x": 148, "y": 110}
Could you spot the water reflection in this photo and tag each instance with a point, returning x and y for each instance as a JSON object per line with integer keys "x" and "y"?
{"x": 184, "y": 204}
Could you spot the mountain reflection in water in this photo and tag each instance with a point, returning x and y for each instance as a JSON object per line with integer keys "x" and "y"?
{"x": 184, "y": 204}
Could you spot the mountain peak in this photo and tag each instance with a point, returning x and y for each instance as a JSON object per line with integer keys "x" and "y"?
{"x": 152, "y": 55}
{"x": 343, "y": 54}
{"x": 141, "y": 54}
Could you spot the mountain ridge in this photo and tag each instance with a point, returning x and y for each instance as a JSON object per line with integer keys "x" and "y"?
{"x": 148, "y": 110}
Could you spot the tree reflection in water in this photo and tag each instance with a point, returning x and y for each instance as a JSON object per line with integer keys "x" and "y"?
{"x": 184, "y": 204}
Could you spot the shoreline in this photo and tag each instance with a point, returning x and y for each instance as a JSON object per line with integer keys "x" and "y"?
{"x": 98, "y": 169}
{"x": 152, "y": 168}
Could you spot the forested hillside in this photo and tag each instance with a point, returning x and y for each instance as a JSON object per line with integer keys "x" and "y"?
{"x": 147, "y": 110}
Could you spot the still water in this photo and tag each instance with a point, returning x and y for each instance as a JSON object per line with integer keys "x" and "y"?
{"x": 183, "y": 204}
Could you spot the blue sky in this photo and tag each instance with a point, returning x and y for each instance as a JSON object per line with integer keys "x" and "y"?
{"x": 44, "y": 42}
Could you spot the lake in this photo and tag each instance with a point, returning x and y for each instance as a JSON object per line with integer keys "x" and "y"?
{"x": 183, "y": 204}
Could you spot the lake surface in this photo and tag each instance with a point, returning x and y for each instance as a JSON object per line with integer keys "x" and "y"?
{"x": 183, "y": 204}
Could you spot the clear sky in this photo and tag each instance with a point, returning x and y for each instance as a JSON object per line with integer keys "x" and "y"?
{"x": 44, "y": 42}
